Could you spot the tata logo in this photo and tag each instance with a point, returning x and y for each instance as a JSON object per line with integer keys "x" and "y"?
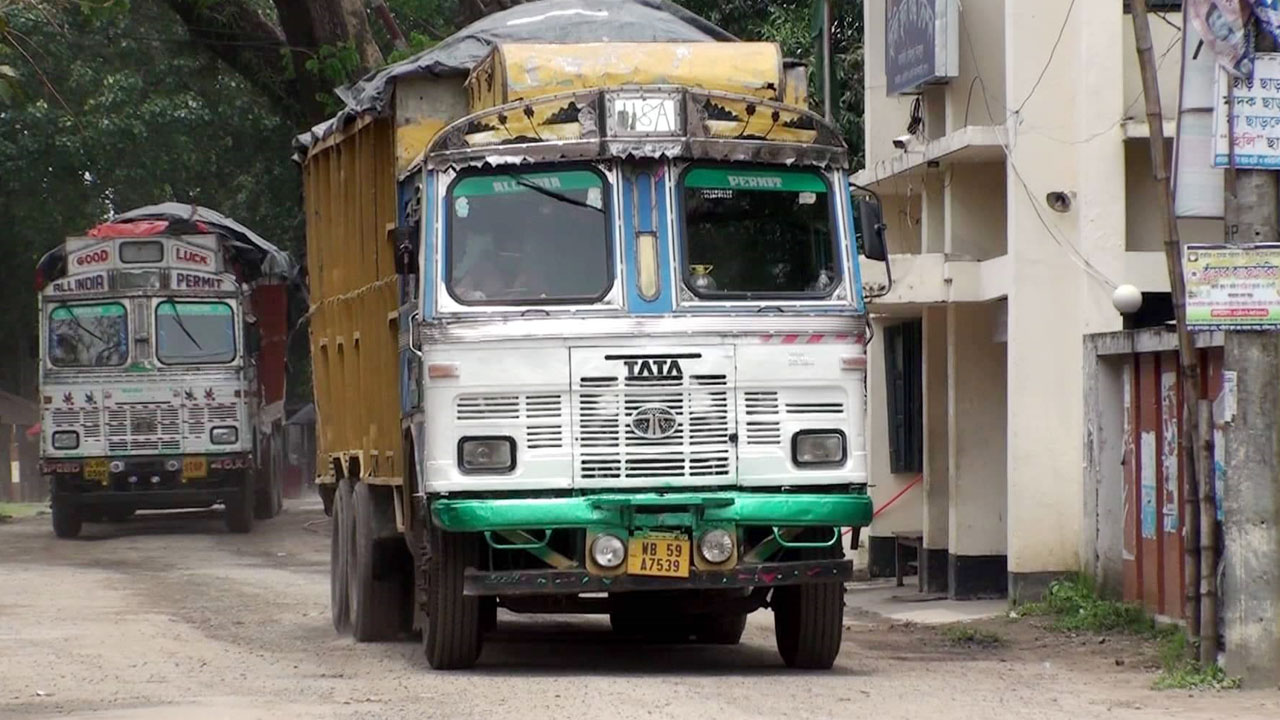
{"x": 654, "y": 368}
{"x": 191, "y": 257}
{"x": 654, "y": 422}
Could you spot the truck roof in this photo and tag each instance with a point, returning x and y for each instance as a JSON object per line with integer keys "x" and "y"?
{"x": 546, "y": 21}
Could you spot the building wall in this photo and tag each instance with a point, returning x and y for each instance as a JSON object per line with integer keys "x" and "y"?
{"x": 1063, "y": 88}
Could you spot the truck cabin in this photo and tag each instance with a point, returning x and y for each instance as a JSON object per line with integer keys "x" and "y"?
{"x": 637, "y": 200}
{"x": 140, "y": 303}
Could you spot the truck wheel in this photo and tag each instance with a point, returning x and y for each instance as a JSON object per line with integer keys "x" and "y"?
{"x": 267, "y": 500}
{"x": 808, "y": 620}
{"x": 720, "y": 628}
{"x": 239, "y": 512}
{"x": 339, "y": 540}
{"x": 375, "y": 602}
{"x": 453, "y": 636}
{"x": 66, "y": 519}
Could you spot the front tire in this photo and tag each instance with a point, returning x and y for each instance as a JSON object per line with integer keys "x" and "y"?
{"x": 67, "y": 520}
{"x": 376, "y": 610}
{"x": 453, "y": 636}
{"x": 339, "y": 540}
{"x": 808, "y": 620}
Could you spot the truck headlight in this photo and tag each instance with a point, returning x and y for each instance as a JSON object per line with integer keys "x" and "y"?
{"x": 66, "y": 440}
{"x": 818, "y": 447}
{"x": 224, "y": 435}
{"x": 716, "y": 545}
{"x": 487, "y": 455}
{"x": 608, "y": 551}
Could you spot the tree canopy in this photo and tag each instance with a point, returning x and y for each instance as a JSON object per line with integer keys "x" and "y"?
{"x": 106, "y": 105}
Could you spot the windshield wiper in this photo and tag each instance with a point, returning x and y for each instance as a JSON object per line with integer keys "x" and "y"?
{"x": 76, "y": 319}
{"x": 182, "y": 325}
{"x": 526, "y": 182}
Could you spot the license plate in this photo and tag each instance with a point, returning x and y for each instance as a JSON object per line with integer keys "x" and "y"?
{"x": 663, "y": 555}
{"x": 95, "y": 469}
{"x": 194, "y": 468}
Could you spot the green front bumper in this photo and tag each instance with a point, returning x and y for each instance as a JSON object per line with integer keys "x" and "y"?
{"x": 630, "y": 510}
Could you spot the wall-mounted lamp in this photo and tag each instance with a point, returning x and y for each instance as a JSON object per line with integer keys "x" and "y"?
{"x": 1059, "y": 201}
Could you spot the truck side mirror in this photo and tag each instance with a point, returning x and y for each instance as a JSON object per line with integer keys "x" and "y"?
{"x": 871, "y": 231}
{"x": 405, "y": 241}
{"x": 252, "y": 339}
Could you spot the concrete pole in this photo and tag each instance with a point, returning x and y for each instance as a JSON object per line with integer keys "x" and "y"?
{"x": 1251, "y": 502}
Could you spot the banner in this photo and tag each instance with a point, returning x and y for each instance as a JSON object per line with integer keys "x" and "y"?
{"x": 1222, "y": 25}
{"x": 1232, "y": 287}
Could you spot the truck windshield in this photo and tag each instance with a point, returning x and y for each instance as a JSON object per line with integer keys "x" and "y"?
{"x": 528, "y": 239}
{"x": 88, "y": 335}
{"x": 758, "y": 232}
{"x": 192, "y": 333}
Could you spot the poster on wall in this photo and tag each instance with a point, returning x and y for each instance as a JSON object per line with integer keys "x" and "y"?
{"x": 1232, "y": 287}
{"x": 1197, "y": 184}
{"x": 1255, "y": 117}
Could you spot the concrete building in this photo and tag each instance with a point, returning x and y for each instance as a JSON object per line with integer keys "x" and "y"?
{"x": 1018, "y": 193}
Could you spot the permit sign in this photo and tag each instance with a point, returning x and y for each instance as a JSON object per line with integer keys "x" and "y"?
{"x": 1233, "y": 287}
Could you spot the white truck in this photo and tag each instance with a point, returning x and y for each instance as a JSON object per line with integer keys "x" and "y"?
{"x": 155, "y": 381}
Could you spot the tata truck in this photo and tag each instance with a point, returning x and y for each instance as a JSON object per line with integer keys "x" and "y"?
{"x": 588, "y": 336}
{"x": 161, "y": 359}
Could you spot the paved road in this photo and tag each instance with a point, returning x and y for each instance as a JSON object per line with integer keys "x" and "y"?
{"x": 171, "y": 617}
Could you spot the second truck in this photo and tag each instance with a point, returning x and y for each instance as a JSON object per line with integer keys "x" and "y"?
{"x": 162, "y": 363}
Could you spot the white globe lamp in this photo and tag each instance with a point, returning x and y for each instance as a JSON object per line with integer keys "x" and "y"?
{"x": 1127, "y": 299}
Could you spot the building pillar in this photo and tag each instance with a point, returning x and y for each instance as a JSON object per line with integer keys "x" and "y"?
{"x": 933, "y": 561}
{"x": 976, "y": 433}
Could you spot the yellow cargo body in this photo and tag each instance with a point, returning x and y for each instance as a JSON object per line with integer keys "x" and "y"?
{"x": 514, "y": 72}
{"x": 350, "y": 202}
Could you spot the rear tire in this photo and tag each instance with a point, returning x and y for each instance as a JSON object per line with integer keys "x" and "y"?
{"x": 239, "y": 513}
{"x": 267, "y": 502}
{"x": 720, "y": 628}
{"x": 808, "y": 620}
{"x": 67, "y": 521}
{"x": 376, "y": 610}
{"x": 453, "y": 636}
{"x": 339, "y": 602}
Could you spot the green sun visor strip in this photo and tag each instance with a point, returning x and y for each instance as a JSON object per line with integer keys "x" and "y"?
{"x": 187, "y": 309}
{"x": 67, "y": 312}
{"x": 568, "y": 180}
{"x": 742, "y": 508}
{"x": 766, "y": 180}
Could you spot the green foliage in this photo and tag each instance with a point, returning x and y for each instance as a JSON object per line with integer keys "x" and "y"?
{"x": 1181, "y": 671}
{"x": 335, "y": 65}
{"x": 966, "y": 636}
{"x": 120, "y": 111}
{"x": 1075, "y": 606}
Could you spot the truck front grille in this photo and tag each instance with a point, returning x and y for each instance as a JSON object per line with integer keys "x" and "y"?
{"x": 144, "y": 428}
{"x": 609, "y": 448}
{"x": 541, "y": 416}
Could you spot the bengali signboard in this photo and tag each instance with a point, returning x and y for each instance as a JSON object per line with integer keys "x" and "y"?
{"x": 1255, "y": 117}
{"x": 1232, "y": 287}
{"x": 921, "y": 43}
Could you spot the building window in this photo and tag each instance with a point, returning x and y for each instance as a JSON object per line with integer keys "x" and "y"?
{"x": 904, "y": 382}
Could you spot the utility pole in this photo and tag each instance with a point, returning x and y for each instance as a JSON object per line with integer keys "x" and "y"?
{"x": 1251, "y": 502}
{"x": 1189, "y": 441}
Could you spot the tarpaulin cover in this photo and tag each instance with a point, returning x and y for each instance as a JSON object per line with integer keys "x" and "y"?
{"x": 546, "y": 21}
{"x": 138, "y": 228}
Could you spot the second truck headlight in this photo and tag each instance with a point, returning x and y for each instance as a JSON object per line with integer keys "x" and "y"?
{"x": 66, "y": 440}
{"x": 487, "y": 455}
{"x": 225, "y": 435}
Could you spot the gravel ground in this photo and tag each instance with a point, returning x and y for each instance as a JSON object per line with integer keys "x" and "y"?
{"x": 168, "y": 616}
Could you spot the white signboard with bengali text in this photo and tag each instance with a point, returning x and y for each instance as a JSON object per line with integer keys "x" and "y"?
{"x": 1255, "y": 117}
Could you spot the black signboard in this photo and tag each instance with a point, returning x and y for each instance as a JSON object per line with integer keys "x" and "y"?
{"x": 918, "y": 43}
